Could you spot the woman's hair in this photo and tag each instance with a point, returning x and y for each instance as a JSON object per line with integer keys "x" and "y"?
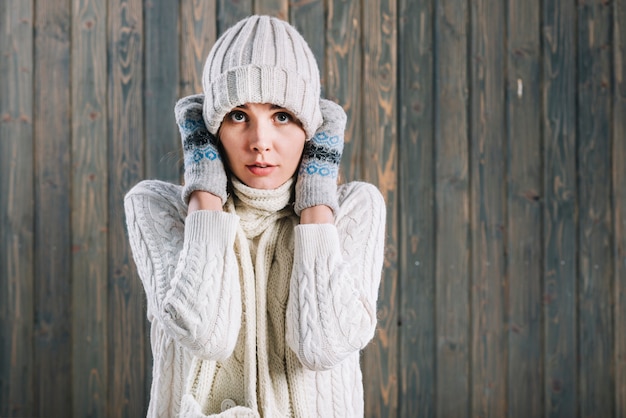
{"x": 262, "y": 59}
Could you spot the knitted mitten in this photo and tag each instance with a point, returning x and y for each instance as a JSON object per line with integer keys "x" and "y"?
{"x": 317, "y": 178}
{"x": 204, "y": 169}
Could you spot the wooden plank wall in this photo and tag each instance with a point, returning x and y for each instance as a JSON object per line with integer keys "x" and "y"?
{"x": 496, "y": 131}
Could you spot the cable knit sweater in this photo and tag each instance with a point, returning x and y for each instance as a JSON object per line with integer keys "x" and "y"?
{"x": 251, "y": 313}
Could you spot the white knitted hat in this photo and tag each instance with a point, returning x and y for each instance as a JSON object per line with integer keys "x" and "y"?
{"x": 262, "y": 59}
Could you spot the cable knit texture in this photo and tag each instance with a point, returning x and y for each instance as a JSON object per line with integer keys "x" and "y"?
{"x": 252, "y": 314}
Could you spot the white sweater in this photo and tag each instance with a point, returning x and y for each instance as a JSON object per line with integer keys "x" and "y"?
{"x": 251, "y": 313}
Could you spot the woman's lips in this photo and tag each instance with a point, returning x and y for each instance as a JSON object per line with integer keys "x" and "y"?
{"x": 261, "y": 169}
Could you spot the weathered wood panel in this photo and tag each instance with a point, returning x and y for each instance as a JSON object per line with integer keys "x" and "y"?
{"x": 230, "y": 12}
{"x": 379, "y": 166}
{"x": 487, "y": 160}
{"x": 307, "y": 16}
{"x": 560, "y": 208}
{"x": 278, "y": 8}
{"x": 89, "y": 209}
{"x": 126, "y": 301}
{"x": 495, "y": 130}
{"x": 595, "y": 258}
{"x": 452, "y": 211}
{"x": 343, "y": 77}
{"x": 524, "y": 204}
{"x": 53, "y": 299}
{"x": 416, "y": 233}
{"x": 196, "y": 39}
{"x": 161, "y": 19}
{"x": 17, "y": 211}
{"x": 619, "y": 199}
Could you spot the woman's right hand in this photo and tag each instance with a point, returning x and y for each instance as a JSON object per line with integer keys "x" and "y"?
{"x": 204, "y": 169}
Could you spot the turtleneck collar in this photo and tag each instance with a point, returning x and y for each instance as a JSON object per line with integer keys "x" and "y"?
{"x": 258, "y": 208}
{"x": 262, "y": 199}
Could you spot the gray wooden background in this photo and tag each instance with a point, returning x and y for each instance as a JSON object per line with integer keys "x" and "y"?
{"x": 496, "y": 130}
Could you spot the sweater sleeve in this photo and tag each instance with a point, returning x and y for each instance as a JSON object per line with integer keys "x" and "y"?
{"x": 188, "y": 268}
{"x": 331, "y": 311}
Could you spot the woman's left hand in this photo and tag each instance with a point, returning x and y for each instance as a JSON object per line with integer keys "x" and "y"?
{"x": 317, "y": 177}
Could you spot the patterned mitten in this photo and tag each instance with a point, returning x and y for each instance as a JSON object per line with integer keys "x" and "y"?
{"x": 317, "y": 178}
{"x": 204, "y": 169}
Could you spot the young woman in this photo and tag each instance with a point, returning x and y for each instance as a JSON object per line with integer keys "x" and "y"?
{"x": 261, "y": 274}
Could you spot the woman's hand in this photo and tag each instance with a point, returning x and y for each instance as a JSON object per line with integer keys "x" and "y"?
{"x": 317, "y": 177}
{"x": 204, "y": 170}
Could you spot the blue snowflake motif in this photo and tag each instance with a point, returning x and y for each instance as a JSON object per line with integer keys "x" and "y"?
{"x": 323, "y": 170}
{"x": 211, "y": 154}
{"x": 190, "y": 125}
{"x": 324, "y": 138}
{"x": 197, "y": 156}
{"x": 311, "y": 169}
{"x": 334, "y": 140}
{"x": 321, "y": 136}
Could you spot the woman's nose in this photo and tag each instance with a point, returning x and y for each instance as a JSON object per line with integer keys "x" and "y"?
{"x": 260, "y": 138}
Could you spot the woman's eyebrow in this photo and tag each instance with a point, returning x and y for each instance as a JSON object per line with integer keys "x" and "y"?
{"x": 273, "y": 107}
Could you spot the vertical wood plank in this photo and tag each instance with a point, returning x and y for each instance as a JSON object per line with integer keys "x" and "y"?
{"x": 343, "y": 77}
{"x": 89, "y": 208}
{"x": 619, "y": 200}
{"x": 595, "y": 261}
{"x": 126, "y": 300}
{"x": 53, "y": 325}
{"x": 307, "y": 16}
{"x": 487, "y": 158}
{"x": 379, "y": 166}
{"x": 560, "y": 223}
{"x": 161, "y": 88}
{"x": 559, "y": 202}
{"x": 452, "y": 210}
{"x": 277, "y": 8}
{"x": 416, "y": 238}
{"x": 231, "y": 12}
{"x": 524, "y": 204}
{"x": 198, "y": 32}
{"x": 16, "y": 209}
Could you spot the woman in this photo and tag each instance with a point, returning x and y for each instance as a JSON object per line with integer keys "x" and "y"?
{"x": 262, "y": 279}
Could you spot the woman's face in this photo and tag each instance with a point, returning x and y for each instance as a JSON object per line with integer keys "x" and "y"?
{"x": 263, "y": 144}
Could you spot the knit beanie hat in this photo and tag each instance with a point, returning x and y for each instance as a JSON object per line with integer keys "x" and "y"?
{"x": 262, "y": 59}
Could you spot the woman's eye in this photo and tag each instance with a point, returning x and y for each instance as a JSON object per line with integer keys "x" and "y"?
{"x": 237, "y": 116}
{"x": 283, "y": 117}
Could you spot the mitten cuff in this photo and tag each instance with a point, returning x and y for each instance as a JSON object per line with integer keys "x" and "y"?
{"x": 206, "y": 176}
{"x": 312, "y": 192}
